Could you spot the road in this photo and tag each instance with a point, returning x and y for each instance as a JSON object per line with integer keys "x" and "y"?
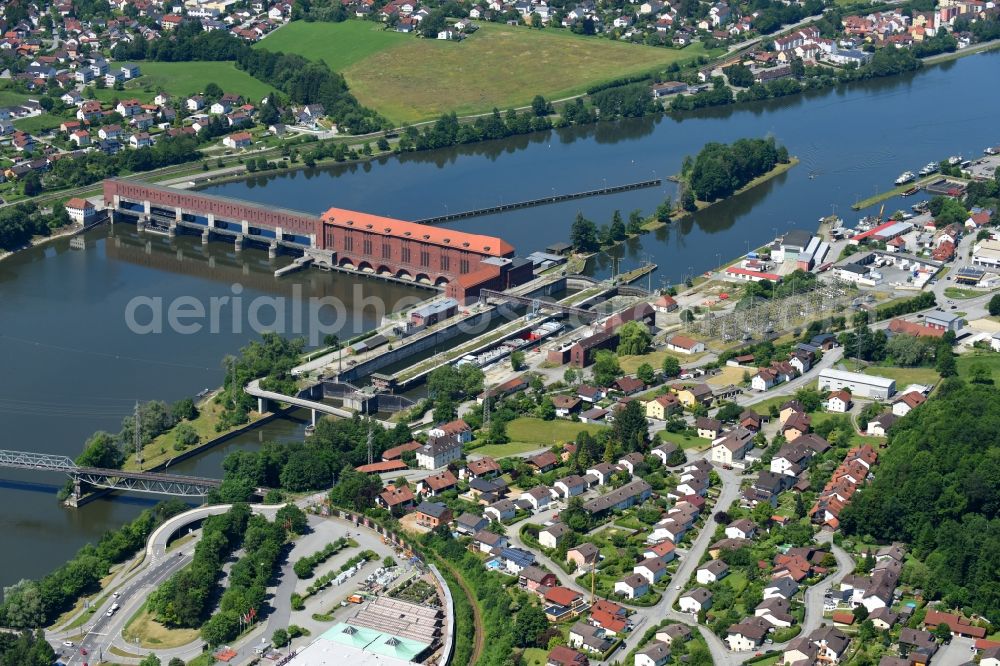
{"x": 104, "y": 631}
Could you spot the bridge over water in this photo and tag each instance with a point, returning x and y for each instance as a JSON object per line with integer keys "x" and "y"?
{"x": 158, "y": 483}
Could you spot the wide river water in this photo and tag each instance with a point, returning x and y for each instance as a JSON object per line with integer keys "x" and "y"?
{"x": 71, "y": 364}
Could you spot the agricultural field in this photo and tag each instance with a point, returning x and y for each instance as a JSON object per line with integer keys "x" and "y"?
{"x": 12, "y": 98}
{"x": 181, "y": 79}
{"x": 905, "y": 376}
{"x": 409, "y": 79}
{"x": 339, "y": 45}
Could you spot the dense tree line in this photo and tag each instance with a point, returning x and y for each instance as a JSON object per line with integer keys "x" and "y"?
{"x": 38, "y": 603}
{"x": 921, "y": 301}
{"x": 20, "y": 223}
{"x": 93, "y": 166}
{"x": 246, "y": 586}
{"x": 301, "y": 80}
{"x": 272, "y": 358}
{"x": 631, "y": 101}
{"x": 187, "y": 598}
{"x": 720, "y": 169}
{"x": 25, "y": 649}
{"x": 336, "y": 446}
{"x": 104, "y": 449}
{"x": 938, "y": 488}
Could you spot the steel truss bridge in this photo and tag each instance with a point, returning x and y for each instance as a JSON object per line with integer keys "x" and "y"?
{"x": 157, "y": 483}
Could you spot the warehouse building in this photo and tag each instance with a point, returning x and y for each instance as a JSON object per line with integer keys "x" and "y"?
{"x": 865, "y": 386}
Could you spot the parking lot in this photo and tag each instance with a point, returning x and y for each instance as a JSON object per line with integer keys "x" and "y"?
{"x": 984, "y": 167}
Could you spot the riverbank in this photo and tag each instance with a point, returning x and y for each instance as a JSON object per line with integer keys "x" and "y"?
{"x": 40, "y": 241}
{"x": 778, "y": 169}
{"x": 898, "y": 190}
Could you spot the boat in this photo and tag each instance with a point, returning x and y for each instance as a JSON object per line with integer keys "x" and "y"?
{"x": 911, "y": 191}
{"x": 954, "y": 159}
{"x": 930, "y": 168}
{"x": 905, "y": 178}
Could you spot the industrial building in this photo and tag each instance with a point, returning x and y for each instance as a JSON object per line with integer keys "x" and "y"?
{"x": 865, "y": 386}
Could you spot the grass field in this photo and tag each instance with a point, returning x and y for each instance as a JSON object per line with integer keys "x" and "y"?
{"x": 339, "y": 45}
{"x": 535, "y": 657}
{"x": 410, "y": 79}
{"x": 11, "y": 98}
{"x": 152, "y": 634}
{"x": 991, "y": 361}
{"x": 38, "y": 124}
{"x": 684, "y": 441}
{"x": 630, "y": 364}
{"x": 958, "y": 292}
{"x": 528, "y": 434}
{"x": 181, "y": 79}
{"x": 905, "y": 376}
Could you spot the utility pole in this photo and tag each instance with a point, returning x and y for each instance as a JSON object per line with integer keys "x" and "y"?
{"x": 371, "y": 444}
{"x": 137, "y": 438}
{"x": 486, "y": 409}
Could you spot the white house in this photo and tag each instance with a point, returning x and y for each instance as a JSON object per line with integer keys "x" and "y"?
{"x": 711, "y": 572}
{"x": 438, "y": 452}
{"x": 538, "y": 497}
{"x": 839, "y": 402}
{"x": 552, "y": 535}
{"x": 654, "y": 654}
{"x": 632, "y": 587}
{"x": 695, "y": 601}
{"x": 570, "y": 486}
{"x": 741, "y": 529}
{"x": 652, "y": 569}
{"x": 500, "y": 510}
{"x": 685, "y": 345}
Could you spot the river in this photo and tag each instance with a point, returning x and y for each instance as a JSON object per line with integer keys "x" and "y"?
{"x": 71, "y": 364}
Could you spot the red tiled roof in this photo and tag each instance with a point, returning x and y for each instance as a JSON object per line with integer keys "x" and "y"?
{"x": 384, "y": 466}
{"x": 385, "y": 226}
{"x": 562, "y": 596}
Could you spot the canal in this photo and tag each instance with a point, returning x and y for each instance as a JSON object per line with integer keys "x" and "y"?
{"x": 72, "y": 365}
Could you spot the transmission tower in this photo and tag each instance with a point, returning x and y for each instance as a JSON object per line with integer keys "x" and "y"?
{"x": 371, "y": 444}
{"x": 137, "y": 438}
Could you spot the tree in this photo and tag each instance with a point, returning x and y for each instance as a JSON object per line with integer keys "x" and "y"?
{"x": 292, "y": 519}
{"x": 646, "y": 374}
{"x": 101, "y": 450}
{"x": 633, "y": 339}
{"x": 540, "y": 107}
{"x": 546, "y": 409}
{"x": 516, "y": 360}
{"x": 150, "y": 660}
{"x": 184, "y": 436}
{"x": 945, "y": 361}
{"x": 176, "y": 661}
{"x": 631, "y": 429}
{"x": 529, "y": 626}
{"x": 570, "y": 376}
{"x": 979, "y": 373}
{"x": 213, "y": 91}
{"x": 32, "y": 184}
{"x": 942, "y": 632}
{"x": 23, "y": 605}
{"x": 355, "y": 490}
{"x": 583, "y": 235}
{"x": 671, "y": 366}
{"x": 184, "y": 409}
{"x": 279, "y": 638}
{"x": 994, "y": 306}
{"x": 606, "y": 368}
{"x": 729, "y": 412}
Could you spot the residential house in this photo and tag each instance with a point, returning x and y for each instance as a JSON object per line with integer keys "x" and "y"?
{"x": 743, "y": 528}
{"x": 561, "y": 655}
{"x": 570, "y": 486}
{"x": 470, "y": 523}
{"x": 432, "y": 514}
{"x": 685, "y": 345}
{"x": 587, "y": 637}
{"x": 488, "y": 542}
{"x": 589, "y": 393}
{"x": 435, "y": 484}
{"x": 481, "y": 468}
{"x": 584, "y": 555}
{"x": 652, "y": 569}
{"x": 544, "y": 461}
{"x": 665, "y": 550}
{"x": 602, "y": 472}
{"x": 631, "y": 462}
{"x": 733, "y": 447}
{"x": 783, "y": 587}
{"x": 708, "y": 428}
{"x": 632, "y": 493}
{"x": 879, "y": 426}
{"x": 565, "y": 404}
{"x": 694, "y": 395}
{"x": 654, "y": 654}
{"x": 664, "y": 451}
{"x": 396, "y": 500}
{"x": 776, "y": 611}
{"x": 534, "y": 579}
{"x": 839, "y": 402}
{"x": 628, "y": 385}
{"x": 239, "y": 140}
{"x": 674, "y": 632}
{"x": 695, "y": 601}
{"x": 500, "y": 510}
{"x": 711, "y": 572}
{"x": 439, "y": 452}
{"x": 458, "y": 429}
{"x": 907, "y": 402}
{"x": 538, "y": 497}
{"x": 140, "y": 140}
{"x": 515, "y": 560}
{"x": 551, "y": 536}
{"x": 80, "y": 211}
{"x": 748, "y": 634}
{"x": 662, "y": 406}
{"x": 632, "y": 586}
